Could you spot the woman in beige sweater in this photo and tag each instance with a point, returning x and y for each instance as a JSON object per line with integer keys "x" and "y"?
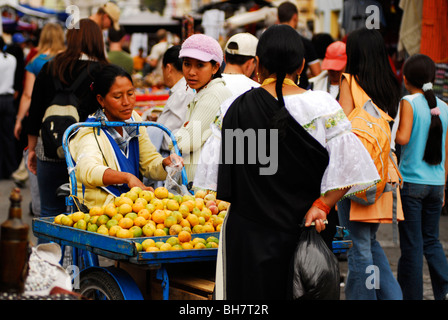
{"x": 113, "y": 160}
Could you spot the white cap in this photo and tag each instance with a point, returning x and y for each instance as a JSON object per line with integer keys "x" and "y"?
{"x": 244, "y": 44}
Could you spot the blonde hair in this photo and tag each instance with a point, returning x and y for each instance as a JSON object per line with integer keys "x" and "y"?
{"x": 51, "y": 39}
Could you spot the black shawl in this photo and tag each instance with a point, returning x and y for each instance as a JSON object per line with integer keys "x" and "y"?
{"x": 281, "y": 198}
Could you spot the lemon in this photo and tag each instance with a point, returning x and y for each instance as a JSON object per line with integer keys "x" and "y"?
{"x": 172, "y": 240}
{"x": 58, "y": 218}
{"x": 102, "y": 229}
{"x": 77, "y": 216}
{"x": 139, "y": 247}
{"x": 81, "y": 224}
{"x": 92, "y": 227}
{"x": 136, "y": 231}
{"x": 148, "y": 243}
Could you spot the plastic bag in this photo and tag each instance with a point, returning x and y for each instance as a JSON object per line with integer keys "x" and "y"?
{"x": 173, "y": 176}
{"x": 316, "y": 270}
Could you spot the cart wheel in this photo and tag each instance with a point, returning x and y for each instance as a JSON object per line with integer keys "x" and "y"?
{"x": 99, "y": 285}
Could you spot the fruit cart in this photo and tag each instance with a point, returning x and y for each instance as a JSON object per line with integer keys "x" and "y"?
{"x": 93, "y": 280}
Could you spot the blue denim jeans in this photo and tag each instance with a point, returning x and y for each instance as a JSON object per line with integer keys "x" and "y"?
{"x": 50, "y": 176}
{"x": 419, "y": 236}
{"x": 369, "y": 274}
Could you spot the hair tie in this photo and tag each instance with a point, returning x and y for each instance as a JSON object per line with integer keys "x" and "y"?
{"x": 427, "y": 86}
{"x": 435, "y": 111}
{"x": 91, "y": 86}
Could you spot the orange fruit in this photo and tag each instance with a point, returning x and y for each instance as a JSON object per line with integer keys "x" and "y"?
{"x": 144, "y": 213}
{"x": 110, "y": 210}
{"x": 159, "y": 216}
{"x": 123, "y": 200}
{"x": 170, "y": 221}
{"x": 172, "y": 205}
{"x": 124, "y": 234}
{"x": 190, "y": 204}
{"x": 148, "y": 230}
{"x": 184, "y": 210}
{"x": 187, "y": 246}
{"x": 161, "y": 192}
{"x": 193, "y": 219}
{"x": 139, "y": 221}
{"x": 175, "y": 229}
{"x": 96, "y": 211}
{"x": 124, "y": 208}
{"x": 148, "y": 243}
{"x": 184, "y": 236}
{"x": 208, "y": 228}
{"x": 152, "y": 249}
{"x": 147, "y": 195}
{"x": 158, "y": 204}
{"x": 137, "y": 206}
{"x": 159, "y": 233}
{"x": 113, "y": 230}
{"x": 165, "y": 247}
{"x": 199, "y": 245}
{"x": 150, "y": 207}
{"x": 126, "y": 223}
{"x": 185, "y": 223}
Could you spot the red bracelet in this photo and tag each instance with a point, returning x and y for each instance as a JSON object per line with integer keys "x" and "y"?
{"x": 322, "y": 206}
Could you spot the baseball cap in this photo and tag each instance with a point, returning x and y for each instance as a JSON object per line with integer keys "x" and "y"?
{"x": 335, "y": 56}
{"x": 201, "y": 47}
{"x": 18, "y": 38}
{"x": 113, "y": 12}
{"x": 244, "y": 44}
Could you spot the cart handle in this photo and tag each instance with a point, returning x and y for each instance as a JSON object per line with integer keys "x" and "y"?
{"x": 104, "y": 124}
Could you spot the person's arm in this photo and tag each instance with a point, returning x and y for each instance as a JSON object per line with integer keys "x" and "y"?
{"x": 345, "y": 97}
{"x": 317, "y": 215}
{"x": 315, "y": 68}
{"x": 25, "y": 102}
{"x": 32, "y": 159}
{"x": 405, "y": 126}
{"x": 196, "y": 130}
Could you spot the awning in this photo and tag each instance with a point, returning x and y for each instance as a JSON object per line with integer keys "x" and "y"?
{"x": 146, "y": 18}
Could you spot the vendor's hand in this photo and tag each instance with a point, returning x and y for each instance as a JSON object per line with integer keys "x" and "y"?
{"x": 136, "y": 182}
{"x": 318, "y": 216}
{"x": 173, "y": 159}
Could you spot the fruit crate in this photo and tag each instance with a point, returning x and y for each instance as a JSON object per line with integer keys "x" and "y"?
{"x": 118, "y": 248}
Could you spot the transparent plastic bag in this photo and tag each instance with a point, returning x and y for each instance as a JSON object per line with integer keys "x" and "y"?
{"x": 172, "y": 180}
{"x": 316, "y": 269}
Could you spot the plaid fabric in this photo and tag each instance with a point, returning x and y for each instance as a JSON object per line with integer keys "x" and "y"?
{"x": 128, "y": 132}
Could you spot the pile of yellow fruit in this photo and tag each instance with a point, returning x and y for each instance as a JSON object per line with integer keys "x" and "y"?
{"x": 143, "y": 213}
{"x": 183, "y": 241}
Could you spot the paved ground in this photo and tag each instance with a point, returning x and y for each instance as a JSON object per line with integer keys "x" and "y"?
{"x": 384, "y": 234}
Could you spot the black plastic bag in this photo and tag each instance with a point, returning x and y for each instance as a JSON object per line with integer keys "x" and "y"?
{"x": 316, "y": 269}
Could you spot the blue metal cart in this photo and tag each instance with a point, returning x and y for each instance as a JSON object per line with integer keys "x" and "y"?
{"x": 113, "y": 283}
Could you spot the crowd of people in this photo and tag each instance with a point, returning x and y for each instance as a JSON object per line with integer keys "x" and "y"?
{"x": 295, "y": 96}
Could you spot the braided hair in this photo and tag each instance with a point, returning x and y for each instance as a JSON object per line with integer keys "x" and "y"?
{"x": 280, "y": 51}
{"x": 420, "y": 71}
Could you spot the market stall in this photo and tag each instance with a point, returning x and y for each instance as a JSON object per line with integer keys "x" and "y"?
{"x": 140, "y": 229}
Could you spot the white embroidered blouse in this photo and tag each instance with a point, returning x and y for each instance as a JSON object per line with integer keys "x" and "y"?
{"x": 350, "y": 164}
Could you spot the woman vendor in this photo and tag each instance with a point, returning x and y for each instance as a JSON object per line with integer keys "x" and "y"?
{"x": 111, "y": 161}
